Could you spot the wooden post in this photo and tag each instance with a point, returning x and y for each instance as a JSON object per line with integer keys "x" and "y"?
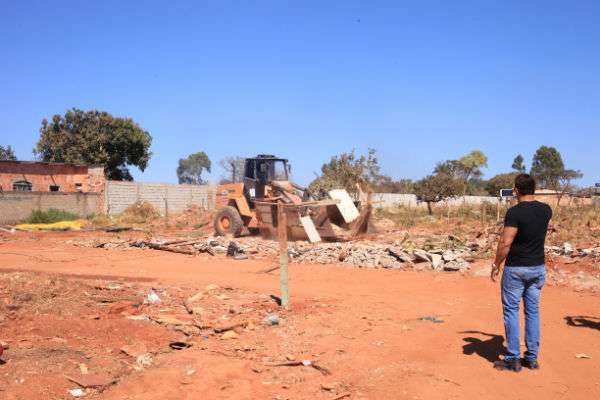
{"x": 498, "y": 210}
{"x": 283, "y": 255}
{"x": 483, "y": 210}
{"x": 166, "y": 212}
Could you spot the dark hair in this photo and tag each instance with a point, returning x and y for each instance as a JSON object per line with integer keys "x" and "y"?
{"x": 525, "y": 184}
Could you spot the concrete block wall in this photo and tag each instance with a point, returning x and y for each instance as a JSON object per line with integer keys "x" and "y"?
{"x": 17, "y": 206}
{"x": 164, "y": 197}
{"x": 120, "y": 195}
{"x": 383, "y": 200}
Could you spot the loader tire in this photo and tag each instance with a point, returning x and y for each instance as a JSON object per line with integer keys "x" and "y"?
{"x": 227, "y": 222}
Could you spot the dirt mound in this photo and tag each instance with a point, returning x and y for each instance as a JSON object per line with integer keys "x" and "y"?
{"x": 139, "y": 212}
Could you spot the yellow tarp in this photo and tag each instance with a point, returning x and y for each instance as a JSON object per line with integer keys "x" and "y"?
{"x": 56, "y": 226}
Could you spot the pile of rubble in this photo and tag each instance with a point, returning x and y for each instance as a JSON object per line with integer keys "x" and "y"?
{"x": 362, "y": 254}
{"x": 568, "y": 250}
{"x": 375, "y": 255}
{"x": 443, "y": 254}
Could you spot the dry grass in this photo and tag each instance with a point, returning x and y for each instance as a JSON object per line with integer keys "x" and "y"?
{"x": 577, "y": 225}
{"x": 408, "y": 217}
{"x": 139, "y": 212}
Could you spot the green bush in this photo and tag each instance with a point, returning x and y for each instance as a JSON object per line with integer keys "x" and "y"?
{"x": 50, "y": 216}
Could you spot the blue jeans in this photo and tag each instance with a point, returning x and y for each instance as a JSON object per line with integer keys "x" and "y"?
{"x": 526, "y": 283}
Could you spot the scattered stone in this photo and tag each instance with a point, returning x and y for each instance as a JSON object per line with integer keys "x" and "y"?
{"x": 421, "y": 255}
{"x": 448, "y": 255}
{"x": 452, "y": 266}
{"x": 436, "y": 261}
{"x": 152, "y": 298}
{"x": 113, "y": 286}
{"x": 567, "y": 248}
{"x": 83, "y": 369}
{"x": 170, "y": 320}
{"x": 134, "y": 350}
{"x": 78, "y": 392}
{"x": 138, "y": 317}
{"x": 231, "y": 334}
{"x": 582, "y": 356}
{"x": 144, "y": 360}
{"x": 272, "y": 319}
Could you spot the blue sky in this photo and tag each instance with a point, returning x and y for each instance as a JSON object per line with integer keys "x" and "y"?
{"x": 418, "y": 81}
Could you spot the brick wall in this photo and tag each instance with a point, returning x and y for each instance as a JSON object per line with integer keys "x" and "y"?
{"x": 16, "y": 206}
{"x": 68, "y": 177}
{"x": 163, "y": 196}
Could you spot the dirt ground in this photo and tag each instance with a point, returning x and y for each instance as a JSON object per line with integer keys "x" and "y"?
{"x": 71, "y": 313}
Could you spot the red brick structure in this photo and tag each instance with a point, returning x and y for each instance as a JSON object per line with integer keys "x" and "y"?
{"x": 50, "y": 177}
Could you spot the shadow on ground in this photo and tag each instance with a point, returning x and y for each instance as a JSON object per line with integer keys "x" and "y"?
{"x": 582, "y": 321}
{"x": 490, "y": 349}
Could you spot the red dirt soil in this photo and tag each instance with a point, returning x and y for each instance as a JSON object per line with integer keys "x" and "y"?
{"x": 362, "y": 325}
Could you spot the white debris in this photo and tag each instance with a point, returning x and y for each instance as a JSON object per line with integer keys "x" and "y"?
{"x": 77, "y": 392}
{"x": 152, "y": 298}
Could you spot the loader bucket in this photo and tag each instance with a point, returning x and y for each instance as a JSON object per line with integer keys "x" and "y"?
{"x": 313, "y": 221}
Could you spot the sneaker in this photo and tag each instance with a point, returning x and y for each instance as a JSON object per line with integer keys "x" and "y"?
{"x": 504, "y": 365}
{"x": 531, "y": 364}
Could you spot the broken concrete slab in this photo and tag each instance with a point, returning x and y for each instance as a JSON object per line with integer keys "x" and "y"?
{"x": 346, "y": 205}
{"x": 436, "y": 261}
{"x": 421, "y": 256}
{"x": 448, "y": 255}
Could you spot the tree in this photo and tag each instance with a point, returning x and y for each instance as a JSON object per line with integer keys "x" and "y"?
{"x": 547, "y": 167}
{"x": 95, "y": 137}
{"x": 500, "y": 181}
{"x": 472, "y": 163}
{"x": 565, "y": 182}
{"x": 518, "y": 165}
{"x": 466, "y": 169}
{"x": 190, "y": 169}
{"x": 345, "y": 171}
{"x": 452, "y": 168}
{"x": 234, "y": 169}
{"x": 437, "y": 187}
{"x": 7, "y": 153}
{"x": 386, "y": 184}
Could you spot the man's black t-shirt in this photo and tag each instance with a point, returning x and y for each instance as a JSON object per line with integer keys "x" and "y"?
{"x": 531, "y": 220}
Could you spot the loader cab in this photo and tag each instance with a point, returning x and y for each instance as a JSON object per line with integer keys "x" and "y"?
{"x": 261, "y": 170}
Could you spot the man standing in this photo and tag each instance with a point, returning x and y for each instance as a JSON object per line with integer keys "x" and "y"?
{"x": 521, "y": 249}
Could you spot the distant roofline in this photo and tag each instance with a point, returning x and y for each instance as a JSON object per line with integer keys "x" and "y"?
{"x": 52, "y": 163}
